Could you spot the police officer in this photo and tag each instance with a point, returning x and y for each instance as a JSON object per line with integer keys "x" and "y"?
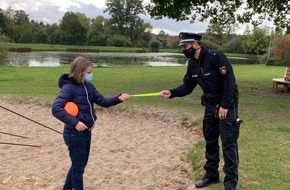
{"x": 211, "y": 70}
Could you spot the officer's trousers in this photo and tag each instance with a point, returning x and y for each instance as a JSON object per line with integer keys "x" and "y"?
{"x": 228, "y": 130}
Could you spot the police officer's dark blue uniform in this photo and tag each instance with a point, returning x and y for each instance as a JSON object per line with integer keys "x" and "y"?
{"x": 212, "y": 71}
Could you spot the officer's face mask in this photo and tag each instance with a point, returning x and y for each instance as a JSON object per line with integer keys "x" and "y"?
{"x": 89, "y": 77}
{"x": 189, "y": 53}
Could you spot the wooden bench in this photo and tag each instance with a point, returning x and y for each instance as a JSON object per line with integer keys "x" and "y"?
{"x": 282, "y": 84}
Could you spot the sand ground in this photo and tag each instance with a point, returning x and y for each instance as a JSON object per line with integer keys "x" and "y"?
{"x": 131, "y": 149}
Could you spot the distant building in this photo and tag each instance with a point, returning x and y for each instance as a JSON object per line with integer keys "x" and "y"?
{"x": 168, "y": 41}
{"x": 167, "y": 38}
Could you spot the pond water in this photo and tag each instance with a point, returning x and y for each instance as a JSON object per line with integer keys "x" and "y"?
{"x": 55, "y": 59}
{"x": 103, "y": 59}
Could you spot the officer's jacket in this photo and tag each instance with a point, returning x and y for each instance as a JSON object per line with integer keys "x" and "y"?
{"x": 213, "y": 73}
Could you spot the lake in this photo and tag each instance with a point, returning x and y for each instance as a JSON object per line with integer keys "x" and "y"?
{"x": 55, "y": 59}
{"x": 102, "y": 59}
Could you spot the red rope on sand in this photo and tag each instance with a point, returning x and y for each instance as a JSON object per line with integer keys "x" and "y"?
{"x": 14, "y": 135}
{"x": 20, "y": 144}
{"x": 31, "y": 120}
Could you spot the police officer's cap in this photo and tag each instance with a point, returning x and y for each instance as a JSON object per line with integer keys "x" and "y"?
{"x": 186, "y": 37}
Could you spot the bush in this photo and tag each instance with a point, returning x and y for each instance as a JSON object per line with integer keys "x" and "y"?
{"x": 3, "y": 52}
{"x": 142, "y": 44}
{"x": 4, "y": 38}
{"x": 281, "y": 50}
{"x": 275, "y": 62}
{"x": 154, "y": 46}
{"x": 82, "y": 50}
{"x": 98, "y": 40}
{"x": 119, "y": 41}
{"x": 209, "y": 44}
{"x": 26, "y": 37}
{"x": 232, "y": 46}
{"x": 173, "y": 44}
{"x": 140, "y": 51}
{"x": 20, "y": 49}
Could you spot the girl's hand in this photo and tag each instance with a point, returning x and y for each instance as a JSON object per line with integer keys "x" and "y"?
{"x": 124, "y": 97}
{"x": 81, "y": 126}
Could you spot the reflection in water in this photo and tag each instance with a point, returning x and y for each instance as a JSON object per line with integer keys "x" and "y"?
{"x": 3, "y": 58}
{"x": 52, "y": 62}
{"x": 55, "y": 59}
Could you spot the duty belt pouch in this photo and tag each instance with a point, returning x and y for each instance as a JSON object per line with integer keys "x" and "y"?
{"x": 236, "y": 96}
{"x": 203, "y": 100}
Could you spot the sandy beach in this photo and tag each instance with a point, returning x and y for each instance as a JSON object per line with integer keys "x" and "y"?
{"x": 132, "y": 149}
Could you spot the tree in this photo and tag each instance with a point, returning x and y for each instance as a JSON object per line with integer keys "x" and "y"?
{"x": 53, "y": 33}
{"x": 220, "y": 34}
{"x": 26, "y": 37}
{"x": 98, "y": 31}
{"x": 124, "y": 12}
{"x": 8, "y": 23}
{"x": 39, "y": 32}
{"x": 257, "y": 42}
{"x": 247, "y": 31}
{"x": 125, "y": 17}
{"x": 223, "y": 11}
{"x": 281, "y": 50}
{"x": 161, "y": 33}
{"x": 71, "y": 30}
{"x": 21, "y": 18}
{"x": 15, "y": 23}
{"x": 234, "y": 45}
{"x": 162, "y": 37}
{"x": 119, "y": 41}
{"x": 2, "y": 20}
{"x": 98, "y": 25}
{"x": 154, "y": 46}
{"x": 3, "y": 51}
{"x": 141, "y": 33}
{"x": 215, "y": 33}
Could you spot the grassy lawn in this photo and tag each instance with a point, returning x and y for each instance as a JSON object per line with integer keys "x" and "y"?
{"x": 264, "y": 137}
{"x": 55, "y": 47}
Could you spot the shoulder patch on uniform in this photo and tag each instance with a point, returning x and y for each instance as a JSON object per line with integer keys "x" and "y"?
{"x": 223, "y": 70}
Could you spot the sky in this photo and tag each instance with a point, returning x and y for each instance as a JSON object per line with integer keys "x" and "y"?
{"x": 51, "y": 11}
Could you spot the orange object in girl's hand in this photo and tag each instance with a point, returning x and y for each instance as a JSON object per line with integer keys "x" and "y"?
{"x": 71, "y": 108}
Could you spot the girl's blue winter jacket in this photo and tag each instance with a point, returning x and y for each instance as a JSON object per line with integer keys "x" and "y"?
{"x": 84, "y": 95}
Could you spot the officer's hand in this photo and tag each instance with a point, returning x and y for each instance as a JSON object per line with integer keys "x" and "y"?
{"x": 223, "y": 113}
{"x": 165, "y": 93}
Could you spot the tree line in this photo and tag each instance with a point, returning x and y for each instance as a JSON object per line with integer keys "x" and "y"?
{"x": 122, "y": 29}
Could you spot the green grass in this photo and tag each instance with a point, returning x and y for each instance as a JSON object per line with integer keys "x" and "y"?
{"x": 54, "y": 47}
{"x": 264, "y": 137}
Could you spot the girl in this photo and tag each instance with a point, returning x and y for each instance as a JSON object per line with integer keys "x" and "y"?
{"x": 76, "y": 87}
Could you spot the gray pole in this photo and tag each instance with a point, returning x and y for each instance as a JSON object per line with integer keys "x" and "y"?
{"x": 269, "y": 50}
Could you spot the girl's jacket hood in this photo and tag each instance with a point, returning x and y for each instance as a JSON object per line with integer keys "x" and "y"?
{"x": 64, "y": 79}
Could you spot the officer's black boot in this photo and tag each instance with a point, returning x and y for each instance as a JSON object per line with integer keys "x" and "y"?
{"x": 205, "y": 182}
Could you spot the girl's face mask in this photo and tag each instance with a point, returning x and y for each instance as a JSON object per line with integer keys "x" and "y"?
{"x": 89, "y": 77}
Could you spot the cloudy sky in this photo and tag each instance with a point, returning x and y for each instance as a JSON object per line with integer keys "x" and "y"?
{"x": 51, "y": 11}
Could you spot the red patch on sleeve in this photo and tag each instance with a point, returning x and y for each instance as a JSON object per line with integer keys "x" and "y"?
{"x": 223, "y": 70}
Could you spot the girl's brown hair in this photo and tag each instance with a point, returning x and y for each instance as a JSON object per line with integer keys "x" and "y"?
{"x": 77, "y": 68}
